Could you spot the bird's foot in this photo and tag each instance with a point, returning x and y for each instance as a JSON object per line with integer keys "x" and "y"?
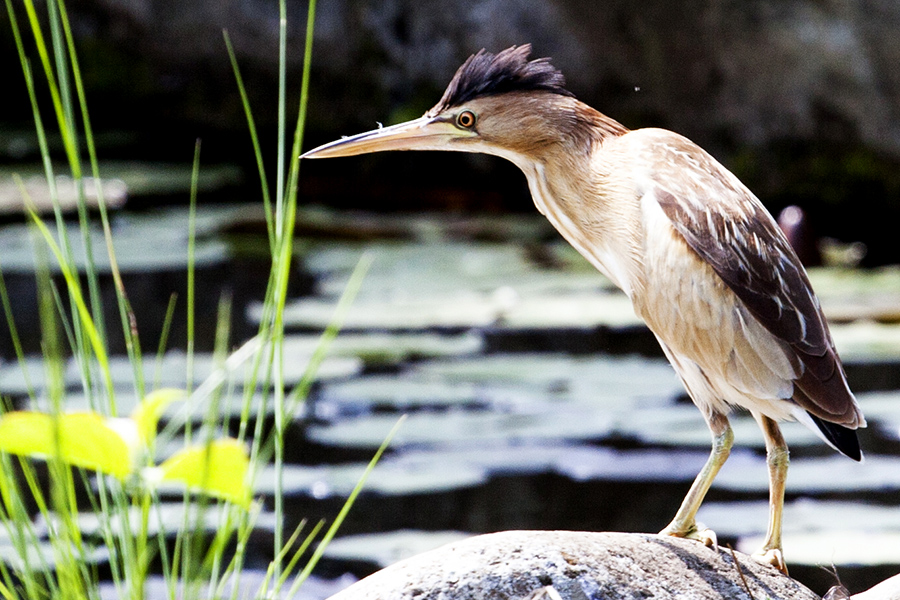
{"x": 771, "y": 556}
{"x": 692, "y": 532}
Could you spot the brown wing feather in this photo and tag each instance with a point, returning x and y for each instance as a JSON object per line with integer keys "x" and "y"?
{"x": 727, "y": 226}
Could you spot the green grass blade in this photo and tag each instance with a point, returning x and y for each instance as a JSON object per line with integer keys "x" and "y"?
{"x": 128, "y": 320}
{"x": 14, "y": 336}
{"x": 164, "y": 340}
{"x": 191, "y": 271}
{"x": 74, "y": 288}
{"x": 254, "y": 138}
{"x": 68, "y": 143}
{"x": 282, "y": 120}
{"x": 297, "y": 553}
{"x": 329, "y": 535}
{"x": 285, "y": 214}
{"x": 63, "y": 49}
{"x": 348, "y": 296}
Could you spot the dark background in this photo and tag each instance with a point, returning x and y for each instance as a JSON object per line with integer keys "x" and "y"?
{"x": 799, "y": 98}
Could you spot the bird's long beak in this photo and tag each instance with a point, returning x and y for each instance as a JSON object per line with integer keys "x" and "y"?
{"x": 424, "y": 133}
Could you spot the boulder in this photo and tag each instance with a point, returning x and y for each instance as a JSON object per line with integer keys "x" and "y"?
{"x": 571, "y": 565}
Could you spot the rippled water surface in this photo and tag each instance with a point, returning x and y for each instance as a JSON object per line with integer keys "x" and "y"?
{"x": 534, "y": 398}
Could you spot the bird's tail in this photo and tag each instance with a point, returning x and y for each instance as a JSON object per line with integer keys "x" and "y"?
{"x": 843, "y": 439}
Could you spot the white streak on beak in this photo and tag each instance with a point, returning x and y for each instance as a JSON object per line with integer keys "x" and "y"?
{"x": 424, "y": 133}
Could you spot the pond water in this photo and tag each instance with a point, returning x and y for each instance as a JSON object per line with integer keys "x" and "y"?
{"x": 535, "y": 398}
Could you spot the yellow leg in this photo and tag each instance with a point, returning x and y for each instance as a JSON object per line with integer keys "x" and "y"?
{"x": 777, "y": 460}
{"x": 685, "y": 522}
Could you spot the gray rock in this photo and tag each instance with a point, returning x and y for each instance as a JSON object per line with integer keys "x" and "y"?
{"x": 577, "y": 566}
{"x": 889, "y": 589}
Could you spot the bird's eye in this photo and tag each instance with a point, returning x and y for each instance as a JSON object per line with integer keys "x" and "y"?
{"x": 466, "y": 119}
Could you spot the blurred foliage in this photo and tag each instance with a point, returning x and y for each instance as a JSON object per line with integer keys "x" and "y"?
{"x": 849, "y": 192}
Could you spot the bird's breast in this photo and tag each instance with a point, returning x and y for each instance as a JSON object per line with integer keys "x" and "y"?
{"x": 603, "y": 232}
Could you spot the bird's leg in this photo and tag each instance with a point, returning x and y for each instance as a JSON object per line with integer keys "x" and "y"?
{"x": 685, "y": 522}
{"x": 777, "y": 460}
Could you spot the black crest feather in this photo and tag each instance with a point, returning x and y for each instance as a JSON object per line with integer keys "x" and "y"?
{"x": 485, "y": 74}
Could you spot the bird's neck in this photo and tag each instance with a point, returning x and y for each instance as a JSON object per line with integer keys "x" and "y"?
{"x": 578, "y": 185}
{"x": 583, "y": 199}
{"x": 598, "y": 127}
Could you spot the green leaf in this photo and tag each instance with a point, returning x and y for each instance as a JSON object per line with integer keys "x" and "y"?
{"x": 85, "y": 440}
{"x": 218, "y": 469}
{"x": 77, "y": 299}
{"x": 151, "y": 408}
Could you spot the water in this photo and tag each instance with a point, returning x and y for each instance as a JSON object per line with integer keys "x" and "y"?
{"x": 535, "y": 398}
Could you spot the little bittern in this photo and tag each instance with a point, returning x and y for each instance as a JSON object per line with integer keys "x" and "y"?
{"x": 701, "y": 259}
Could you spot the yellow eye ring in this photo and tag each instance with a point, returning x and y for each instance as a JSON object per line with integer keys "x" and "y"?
{"x": 465, "y": 119}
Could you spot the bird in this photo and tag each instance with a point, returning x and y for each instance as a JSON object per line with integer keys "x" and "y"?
{"x": 703, "y": 262}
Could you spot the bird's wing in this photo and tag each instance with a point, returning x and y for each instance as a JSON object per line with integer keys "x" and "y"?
{"x": 728, "y": 228}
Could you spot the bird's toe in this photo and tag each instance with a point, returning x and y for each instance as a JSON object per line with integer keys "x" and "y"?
{"x": 772, "y": 556}
{"x": 693, "y": 532}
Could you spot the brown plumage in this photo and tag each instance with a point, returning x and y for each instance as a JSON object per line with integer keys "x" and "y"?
{"x": 702, "y": 261}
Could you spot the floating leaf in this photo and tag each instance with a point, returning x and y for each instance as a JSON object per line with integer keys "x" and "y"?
{"x": 218, "y": 469}
{"x": 85, "y": 440}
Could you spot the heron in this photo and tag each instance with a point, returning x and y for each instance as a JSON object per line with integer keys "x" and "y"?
{"x": 703, "y": 262}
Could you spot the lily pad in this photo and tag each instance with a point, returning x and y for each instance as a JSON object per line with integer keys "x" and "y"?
{"x": 323, "y": 222}
{"x": 455, "y": 285}
{"x": 883, "y": 408}
{"x": 209, "y": 220}
{"x": 829, "y": 474}
{"x": 398, "y": 263}
{"x": 143, "y": 178}
{"x": 37, "y": 193}
{"x": 855, "y": 294}
{"x": 399, "y": 315}
{"x": 379, "y": 348}
{"x": 683, "y": 425}
{"x": 42, "y": 556}
{"x": 229, "y": 406}
{"x": 548, "y": 311}
{"x": 815, "y": 532}
{"x": 591, "y": 376}
{"x": 400, "y": 393}
{"x": 383, "y": 549}
{"x": 136, "y": 250}
{"x": 867, "y": 341}
{"x": 456, "y": 270}
{"x": 390, "y": 478}
{"x": 577, "y": 462}
{"x": 168, "y": 517}
{"x": 249, "y": 584}
{"x": 427, "y": 471}
{"x": 171, "y": 371}
{"x": 805, "y": 515}
{"x": 837, "y": 547}
{"x": 510, "y": 382}
{"x": 456, "y": 427}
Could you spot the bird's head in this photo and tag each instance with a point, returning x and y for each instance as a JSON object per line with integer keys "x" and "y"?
{"x": 501, "y": 104}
